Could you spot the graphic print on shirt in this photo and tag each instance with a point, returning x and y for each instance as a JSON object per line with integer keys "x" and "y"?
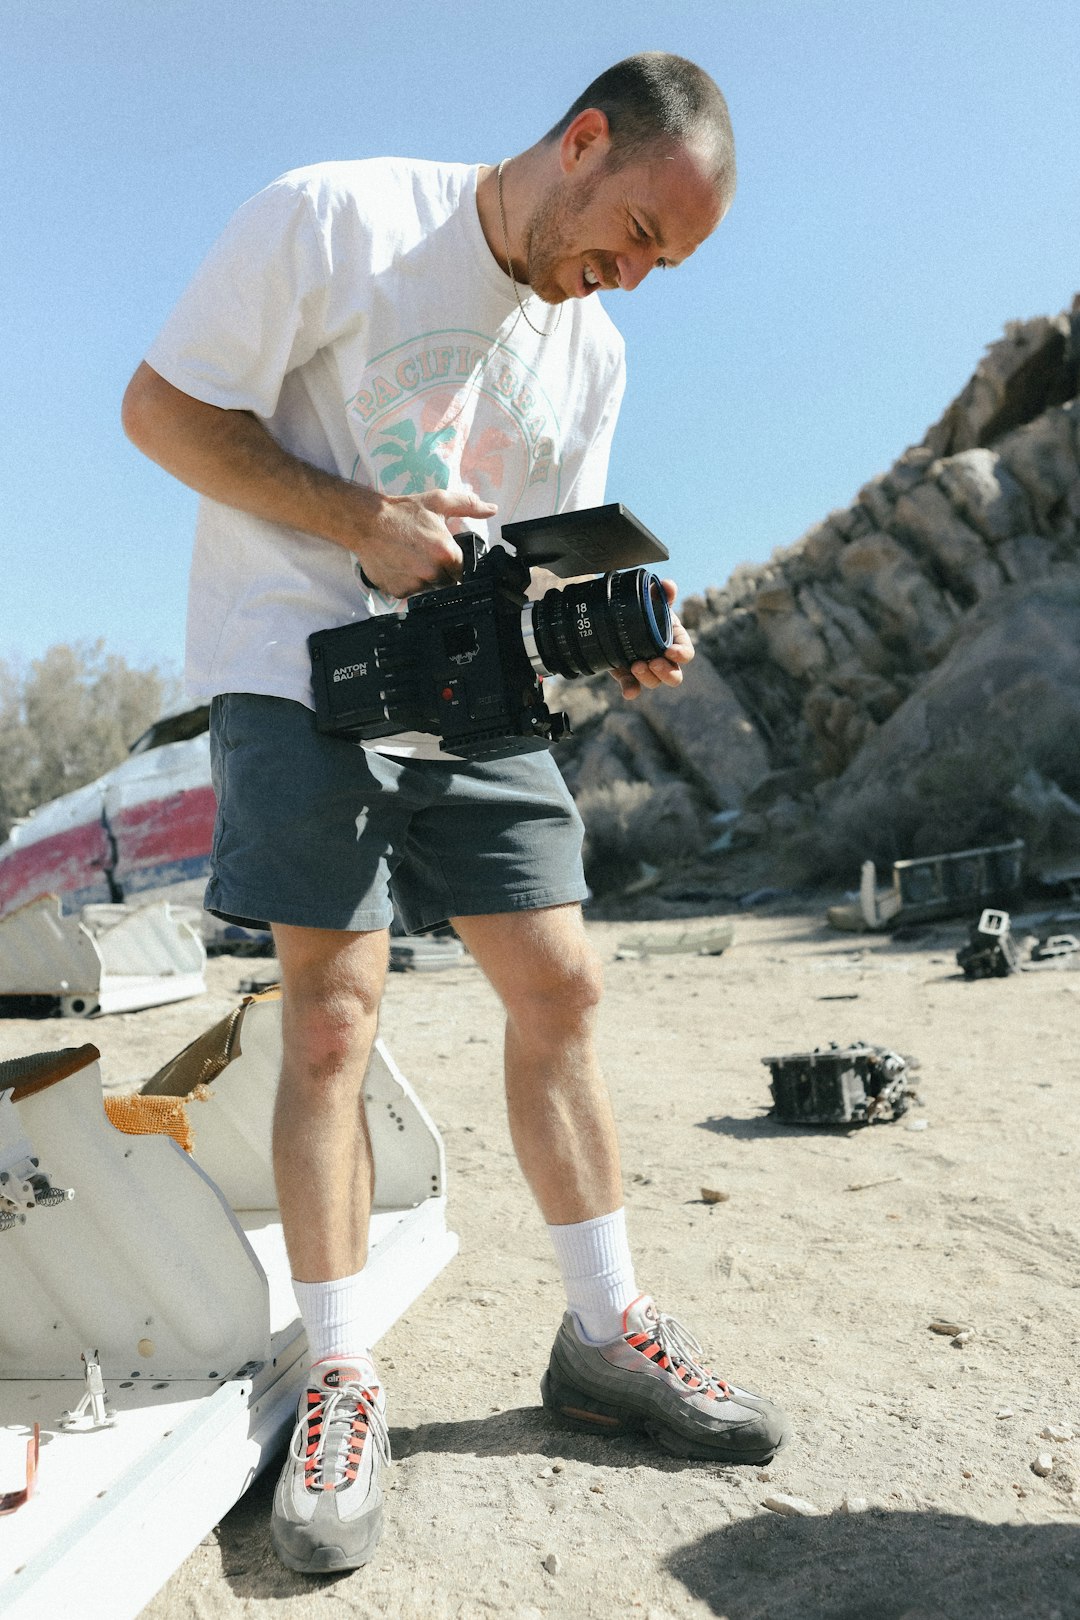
{"x": 457, "y": 410}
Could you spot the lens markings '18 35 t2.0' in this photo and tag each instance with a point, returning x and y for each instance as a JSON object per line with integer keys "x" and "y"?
{"x": 466, "y": 661}
{"x": 605, "y": 623}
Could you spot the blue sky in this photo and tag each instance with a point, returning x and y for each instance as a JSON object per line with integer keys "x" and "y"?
{"x": 909, "y": 181}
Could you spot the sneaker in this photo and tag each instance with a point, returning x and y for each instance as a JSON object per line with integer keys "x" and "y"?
{"x": 651, "y": 1379}
{"x": 328, "y": 1505}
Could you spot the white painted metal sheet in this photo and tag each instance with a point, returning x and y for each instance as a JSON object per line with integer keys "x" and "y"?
{"x": 232, "y": 1128}
{"x": 107, "y": 958}
{"x": 146, "y": 1263}
{"x": 149, "y": 1246}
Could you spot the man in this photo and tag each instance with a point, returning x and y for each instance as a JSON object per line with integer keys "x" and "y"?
{"x": 373, "y": 352}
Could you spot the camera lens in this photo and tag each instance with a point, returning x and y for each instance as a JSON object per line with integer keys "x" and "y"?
{"x": 605, "y": 623}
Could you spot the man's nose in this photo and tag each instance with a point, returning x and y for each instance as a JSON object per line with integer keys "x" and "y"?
{"x": 633, "y": 268}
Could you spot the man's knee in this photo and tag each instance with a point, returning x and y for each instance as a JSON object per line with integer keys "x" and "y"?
{"x": 558, "y": 992}
{"x": 324, "y": 1039}
{"x": 331, "y": 990}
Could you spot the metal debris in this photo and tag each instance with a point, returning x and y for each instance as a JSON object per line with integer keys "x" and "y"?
{"x": 1054, "y": 946}
{"x": 425, "y": 955}
{"x": 93, "y": 1411}
{"x": 102, "y": 959}
{"x": 991, "y": 952}
{"x": 934, "y": 886}
{"x": 24, "y": 1185}
{"x": 710, "y": 941}
{"x": 839, "y": 1085}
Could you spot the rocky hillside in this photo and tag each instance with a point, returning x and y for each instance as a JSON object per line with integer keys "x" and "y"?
{"x": 904, "y": 679}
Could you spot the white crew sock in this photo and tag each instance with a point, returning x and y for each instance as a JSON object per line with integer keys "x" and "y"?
{"x": 598, "y": 1273}
{"x": 335, "y": 1318}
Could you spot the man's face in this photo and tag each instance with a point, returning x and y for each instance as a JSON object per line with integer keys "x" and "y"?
{"x": 604, "y": 227}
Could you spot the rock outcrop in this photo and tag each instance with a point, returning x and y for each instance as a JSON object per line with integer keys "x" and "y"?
{"x": 888, "y": 684}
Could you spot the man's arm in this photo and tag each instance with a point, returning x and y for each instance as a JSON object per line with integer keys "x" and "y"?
{"x": 402, "y": 541}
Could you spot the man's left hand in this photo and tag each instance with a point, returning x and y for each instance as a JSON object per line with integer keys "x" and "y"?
{"x": 666, "y": 668}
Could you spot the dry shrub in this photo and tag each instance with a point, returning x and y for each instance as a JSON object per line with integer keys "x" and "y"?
{"x": 68, "y": 718}
{"x": 627, "y": 823}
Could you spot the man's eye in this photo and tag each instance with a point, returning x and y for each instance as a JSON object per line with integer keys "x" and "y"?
{"x": 638, "y": 229}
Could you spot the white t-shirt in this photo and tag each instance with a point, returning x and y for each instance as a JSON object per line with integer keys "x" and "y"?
{"x": 356, "y": 309}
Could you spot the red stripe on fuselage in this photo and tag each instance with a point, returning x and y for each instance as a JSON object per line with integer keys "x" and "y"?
{"x": 171, "y": 829}
{"x": 73, "y": 859}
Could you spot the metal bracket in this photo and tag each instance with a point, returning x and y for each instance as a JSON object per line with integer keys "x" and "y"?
{"x": 23, "y": 1183}
{"x": 93, "y": 1411}
{"x": 24, "y": 1187}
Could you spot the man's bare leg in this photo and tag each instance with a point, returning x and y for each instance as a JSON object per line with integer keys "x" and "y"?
{"x": 561, "y": 1121}
{"x": 549, "y": 980}
{"x": 618, "y": 1363}
{"x": 332, "y": 983}
{"x": 328, "y": 1504}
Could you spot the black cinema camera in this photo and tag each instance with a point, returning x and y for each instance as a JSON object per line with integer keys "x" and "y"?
{"x": 466, "y": 661}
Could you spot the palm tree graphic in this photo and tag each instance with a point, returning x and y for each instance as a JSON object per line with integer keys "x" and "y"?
{"x": 419, "y": 462}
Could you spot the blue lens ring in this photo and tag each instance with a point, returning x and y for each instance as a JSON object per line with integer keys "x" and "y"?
{"x": 639, "y": 613}
{"x": 657, "y": 612}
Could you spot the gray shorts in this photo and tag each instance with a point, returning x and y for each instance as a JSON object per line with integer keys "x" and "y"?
{"x": 320, "y": 833}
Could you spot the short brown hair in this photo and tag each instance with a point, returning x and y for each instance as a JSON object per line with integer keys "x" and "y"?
{"x": 655, "y": 99}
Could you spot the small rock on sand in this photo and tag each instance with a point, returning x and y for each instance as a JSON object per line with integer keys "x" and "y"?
{"x": 792, "y": 1507}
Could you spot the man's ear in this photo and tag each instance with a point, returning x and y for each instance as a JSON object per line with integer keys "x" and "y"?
{"x": 587, "y": 140}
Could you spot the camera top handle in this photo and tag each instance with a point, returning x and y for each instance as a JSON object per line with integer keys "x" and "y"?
{"x": 597, "y": 540}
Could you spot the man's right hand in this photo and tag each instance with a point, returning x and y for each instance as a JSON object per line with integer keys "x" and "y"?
{"x": 404, "y": 542}
{"x": 407, "y": 546}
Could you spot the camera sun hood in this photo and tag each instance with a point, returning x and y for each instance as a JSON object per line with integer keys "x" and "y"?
{"x": 595, "y": 541}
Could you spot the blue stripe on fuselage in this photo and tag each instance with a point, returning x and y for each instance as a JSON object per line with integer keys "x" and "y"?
{"x": 163, "y": 876}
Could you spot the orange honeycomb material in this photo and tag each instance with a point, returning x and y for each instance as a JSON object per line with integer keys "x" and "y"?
{"x": 153, "y": 1116}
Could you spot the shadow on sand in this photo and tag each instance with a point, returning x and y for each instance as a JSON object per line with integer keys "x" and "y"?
{"x": 243, "y": 1536}
{"x": 876, "y": 1565}
{"x": 756, "y": 1126}
{"x": 884, "y": 1566}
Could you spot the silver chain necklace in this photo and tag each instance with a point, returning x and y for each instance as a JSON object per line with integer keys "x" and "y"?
{"x": 542, "y": 332}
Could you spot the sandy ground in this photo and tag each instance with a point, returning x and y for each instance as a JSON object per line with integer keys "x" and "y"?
{"x": 798, "y": 1285}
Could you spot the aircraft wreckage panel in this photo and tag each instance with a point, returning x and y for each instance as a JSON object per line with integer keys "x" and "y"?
{"x": 136, "y": 833}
